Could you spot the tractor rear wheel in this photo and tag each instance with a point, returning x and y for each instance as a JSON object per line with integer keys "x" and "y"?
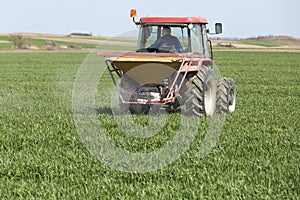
{"x": 226, "y": 96}
{"x": 200, "y": 94}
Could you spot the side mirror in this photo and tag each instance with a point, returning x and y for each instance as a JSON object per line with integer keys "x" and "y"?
{"x": 218, "y": 28}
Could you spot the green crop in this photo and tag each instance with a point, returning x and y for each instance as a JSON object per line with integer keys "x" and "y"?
{"x": 42, "y": 156}
{"x": 264, "y": 43}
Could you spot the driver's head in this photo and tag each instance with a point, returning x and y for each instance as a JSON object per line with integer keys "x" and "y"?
{"x": 166, "y": 30}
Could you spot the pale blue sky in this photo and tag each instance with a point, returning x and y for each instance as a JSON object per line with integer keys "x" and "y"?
{"x": 110, "y": 18}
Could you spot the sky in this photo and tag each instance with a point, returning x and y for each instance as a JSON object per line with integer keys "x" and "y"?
{"x": 240, "y": 18}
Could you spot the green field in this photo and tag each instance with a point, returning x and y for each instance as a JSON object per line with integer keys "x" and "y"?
{"x": 40, "y": 43}
{"x": 42, "y": 157}
{"x": 264, "y": 43}
{"x": 36, "y": 42}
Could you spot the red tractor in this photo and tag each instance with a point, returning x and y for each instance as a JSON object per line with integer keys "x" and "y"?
{"x": 172, "y": 68}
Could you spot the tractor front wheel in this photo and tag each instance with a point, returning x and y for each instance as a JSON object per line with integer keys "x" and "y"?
{"x": 200, "y": 94}
{"x": 226, "y": 96}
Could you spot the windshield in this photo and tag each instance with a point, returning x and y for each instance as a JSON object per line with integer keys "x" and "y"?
{"x": 170, "y": 39}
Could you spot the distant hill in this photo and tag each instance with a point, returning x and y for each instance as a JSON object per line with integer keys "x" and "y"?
{"x": 260, "y": 42}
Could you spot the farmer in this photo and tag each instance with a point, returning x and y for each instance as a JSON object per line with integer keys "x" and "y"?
{"x": 166, "y": 43}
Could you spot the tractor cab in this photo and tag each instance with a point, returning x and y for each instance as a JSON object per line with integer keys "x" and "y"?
{"x": 185, "y": 35}
{"x": 191, "y": 38}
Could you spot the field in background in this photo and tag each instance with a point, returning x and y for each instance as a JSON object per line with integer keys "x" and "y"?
{"x": 50, "y": 42}
{"x": 256, "y": 157}
{"x": 42, "y": 42}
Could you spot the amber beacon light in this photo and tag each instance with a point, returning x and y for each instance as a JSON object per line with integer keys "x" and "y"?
{"x": 133, "y": 13}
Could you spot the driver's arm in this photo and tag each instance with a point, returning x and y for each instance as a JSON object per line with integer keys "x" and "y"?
{"x": 154, "y": 46}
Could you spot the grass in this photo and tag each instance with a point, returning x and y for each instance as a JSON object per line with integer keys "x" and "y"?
{"x": 40, "y": 43}
{"x": 264, "y": 43}
{"x": 4, "y": 37}
{"x": 6, "y": 45}
{"x": 42, "y": 156}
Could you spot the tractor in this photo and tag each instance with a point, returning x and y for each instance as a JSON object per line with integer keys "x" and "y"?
{"x": 174, "y": 74}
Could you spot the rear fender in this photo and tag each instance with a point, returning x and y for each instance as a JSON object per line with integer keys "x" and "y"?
{"x": 196, "y": 65}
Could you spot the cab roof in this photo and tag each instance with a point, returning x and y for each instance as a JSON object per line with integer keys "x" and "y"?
{"x": 176, "y": 20}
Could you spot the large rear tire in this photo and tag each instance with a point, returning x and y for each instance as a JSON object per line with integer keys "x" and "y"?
{"x": 200, "y": 94}
{"x": 226, "y": 96}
